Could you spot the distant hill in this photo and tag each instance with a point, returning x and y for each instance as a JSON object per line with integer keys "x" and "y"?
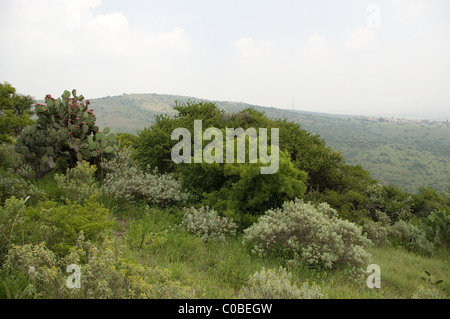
{"x": 409, "y": 155}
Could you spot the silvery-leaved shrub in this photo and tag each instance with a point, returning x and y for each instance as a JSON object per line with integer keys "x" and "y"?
{"x": 410, "y": 237}
{"x": 276, "y": 284}
{"x": 207, "y": 224}
{"x": 78, "y": 184}
{"x": 127, "y": 182}
{"x": 376, "y": 232}
{"x": 310, "y": 234}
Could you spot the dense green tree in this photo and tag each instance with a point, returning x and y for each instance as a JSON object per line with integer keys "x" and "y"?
{"x": 392, "y": 200}
{"x": 15, "y": 112}
{"x": 155, "y": 145}
{"x": 232, "y": 187}
{"x": 429, "y": 200}
{"x": 224, "y": 186}
{"x": 310, "y": 154}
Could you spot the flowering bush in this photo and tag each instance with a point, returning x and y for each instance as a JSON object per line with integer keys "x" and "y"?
{"x": 276, "y": 284}
{"x": 207, "y": 224}
{"x": 127, "y": 182}
{"x": 314, "y": 235}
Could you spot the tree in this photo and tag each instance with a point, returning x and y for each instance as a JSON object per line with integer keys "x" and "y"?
{"x": 154, "y": 145}
{"x": 229, "y": 187}
{"x": 309, "y": 153}
{"x": 15, "y": 112}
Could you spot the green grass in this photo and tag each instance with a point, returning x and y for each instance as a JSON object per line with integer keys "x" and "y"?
{"x": 402, "y": 270}
{"x": 152, "y": 237}
{"x": 221, "y": 269}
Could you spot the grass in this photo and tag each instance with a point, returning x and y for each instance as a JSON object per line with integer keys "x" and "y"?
{"x": 402, "y": 270}
{"x": 221, "y": 269}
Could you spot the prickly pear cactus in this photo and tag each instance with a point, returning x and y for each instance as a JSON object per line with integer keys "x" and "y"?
{"x": 65, "y": 130}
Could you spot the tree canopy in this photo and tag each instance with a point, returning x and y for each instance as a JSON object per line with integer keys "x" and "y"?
{"x": 15, "y": 112}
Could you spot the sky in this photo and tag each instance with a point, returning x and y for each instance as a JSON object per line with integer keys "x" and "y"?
{"x": 385, "y": 57}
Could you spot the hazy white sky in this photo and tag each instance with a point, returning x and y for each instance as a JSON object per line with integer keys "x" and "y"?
{"x": 336, "y": 56}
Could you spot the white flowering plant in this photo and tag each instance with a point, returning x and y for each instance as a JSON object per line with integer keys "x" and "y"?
{"x": 127, "y": 182}
{"x": 207, "y": 224}
{"x": 310, "y": 234}
{"x": 276, "y": 284}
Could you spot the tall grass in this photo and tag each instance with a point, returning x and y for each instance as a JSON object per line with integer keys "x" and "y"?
{"x": 222, "y": 268}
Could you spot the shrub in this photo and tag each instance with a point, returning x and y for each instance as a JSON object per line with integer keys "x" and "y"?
{"x": 104, "y": 273}
{"x": 108, "y": 275}
{"x": 409, "y": 237}
{"x": 127, "y": 140}
{"x": 207, "y": 224}
{"x": 60, "y": 226}
{"x": 276, "y": 284}
{"x": 11, "y": 223}
{"x": 78, "y": 184}
{"x": 396, "y": 203}
{"x": 310, "y": 234}
{"x": 41, "y": 267}
{"x": 24, "y": 170}
{"x": 245, "y": 189}
{"x": 13, "y": 185}
{"x": 9, "y": 158}
{"x": 437, "y": 228}
{"x": 127, "y": 182}
{"x": 376, "y": 232}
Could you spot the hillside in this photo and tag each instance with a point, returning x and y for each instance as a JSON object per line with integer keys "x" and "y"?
{"x": 197, "y": 231}
{"x": 409, "y": 154}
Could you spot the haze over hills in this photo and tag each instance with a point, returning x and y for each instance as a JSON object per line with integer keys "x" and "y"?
{"x": 407, "y": 153}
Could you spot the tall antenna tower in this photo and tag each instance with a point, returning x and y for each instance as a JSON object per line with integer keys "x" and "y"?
{"x": 293, "y": 104}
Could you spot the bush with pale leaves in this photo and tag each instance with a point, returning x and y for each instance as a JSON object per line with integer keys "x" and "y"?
{"x": 309, "y": 234}
{"x": 276, "y": 284}
{"x": 127, "y": 182}
{"x": 207, "y": 224}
